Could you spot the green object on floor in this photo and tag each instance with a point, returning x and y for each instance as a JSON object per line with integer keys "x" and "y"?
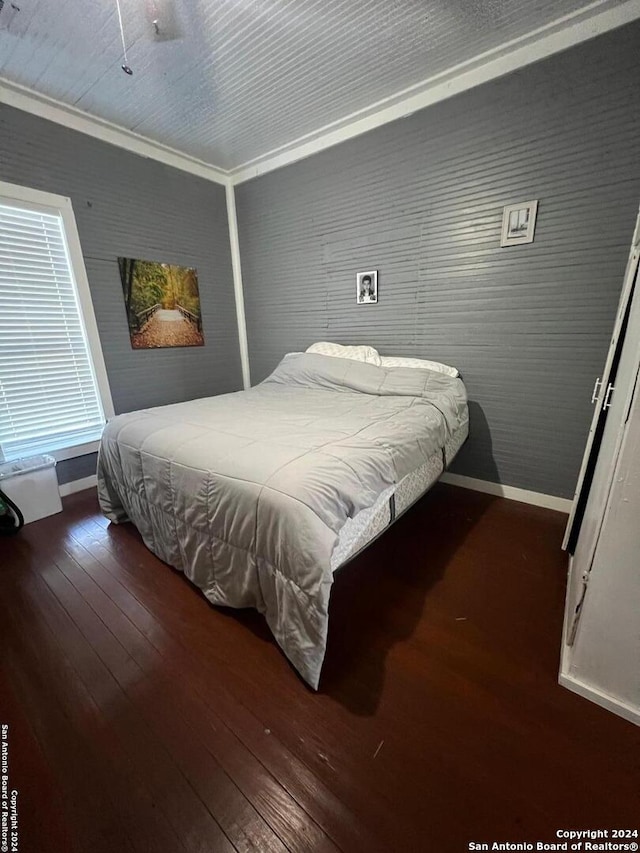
{"x": 11, "y": 519}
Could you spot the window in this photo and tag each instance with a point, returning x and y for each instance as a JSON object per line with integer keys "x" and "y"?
{"x": 54, "y": 393}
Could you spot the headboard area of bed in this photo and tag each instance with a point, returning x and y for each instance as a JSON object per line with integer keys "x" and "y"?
{"x": 372, "y": 356}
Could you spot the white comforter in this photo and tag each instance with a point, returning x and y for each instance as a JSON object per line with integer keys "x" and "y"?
{"x": 246, "y": 493}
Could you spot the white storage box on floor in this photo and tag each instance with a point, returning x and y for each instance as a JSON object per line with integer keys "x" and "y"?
{"x": 32, "y": 485}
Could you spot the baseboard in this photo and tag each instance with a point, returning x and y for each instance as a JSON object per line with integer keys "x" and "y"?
{"x": 78, "y": 485}
{"x": 605, "y": 700}
{"x": 510, "y": 492}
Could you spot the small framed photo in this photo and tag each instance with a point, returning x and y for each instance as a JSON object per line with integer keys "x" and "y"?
{"x": 367, "y": 287}
{"x": 519, "y": 223}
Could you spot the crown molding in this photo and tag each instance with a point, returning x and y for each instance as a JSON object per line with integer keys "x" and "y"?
{"x": 570, "y": 30}
{"x": 32, "y": 102}
{"x": 565, "y": 32}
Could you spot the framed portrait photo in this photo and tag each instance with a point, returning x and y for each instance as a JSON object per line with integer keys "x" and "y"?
{"x": 367, "y": 287}
{"x": 519, "y": 223}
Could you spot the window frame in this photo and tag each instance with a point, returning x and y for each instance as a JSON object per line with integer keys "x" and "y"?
{"x": 62, "y": 206}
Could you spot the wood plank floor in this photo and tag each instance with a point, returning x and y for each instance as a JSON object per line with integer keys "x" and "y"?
{"x": 143, "y": 719}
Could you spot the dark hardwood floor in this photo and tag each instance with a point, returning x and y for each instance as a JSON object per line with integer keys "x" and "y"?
{"x": 143, "y": 719}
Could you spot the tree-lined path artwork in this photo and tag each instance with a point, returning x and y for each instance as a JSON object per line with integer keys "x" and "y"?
{"x": 163, "y": 304}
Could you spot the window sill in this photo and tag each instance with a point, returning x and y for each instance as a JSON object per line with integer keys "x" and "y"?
{"x": 75, "y": 451}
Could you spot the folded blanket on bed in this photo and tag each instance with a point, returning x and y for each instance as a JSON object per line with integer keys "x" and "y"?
{"x": 246, "y": 493}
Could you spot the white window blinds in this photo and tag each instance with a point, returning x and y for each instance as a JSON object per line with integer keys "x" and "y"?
{"x": 49, "y": 397}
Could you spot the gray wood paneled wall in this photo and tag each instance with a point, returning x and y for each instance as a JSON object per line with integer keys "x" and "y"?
{"x": 131, "y": 206}
{"x": 421, "y": 201}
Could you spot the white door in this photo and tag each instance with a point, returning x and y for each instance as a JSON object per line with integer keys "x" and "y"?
{"x": 586, "y": 512}
{"x": 605, "y": 657}
{"x": 618, "y": 403}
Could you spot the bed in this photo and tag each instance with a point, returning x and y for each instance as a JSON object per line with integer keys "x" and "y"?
{"x": 260, "y": 496}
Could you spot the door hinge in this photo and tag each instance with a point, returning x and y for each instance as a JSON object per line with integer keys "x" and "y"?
{"x": 578, "y": 611}
{"x": 607, "y": 399}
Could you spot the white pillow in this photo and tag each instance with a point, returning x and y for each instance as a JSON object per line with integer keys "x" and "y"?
{"x": 398, "y": 361}
{"x": 368, "y": 354}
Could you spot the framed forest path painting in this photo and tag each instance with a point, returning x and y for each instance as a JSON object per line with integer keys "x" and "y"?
{"x": 163, "y": 304}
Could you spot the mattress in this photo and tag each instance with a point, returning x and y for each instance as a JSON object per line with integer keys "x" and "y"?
{"x": 368, "y": 524}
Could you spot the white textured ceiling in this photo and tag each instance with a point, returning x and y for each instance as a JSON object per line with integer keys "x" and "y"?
{"x": 248, "y": 76}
